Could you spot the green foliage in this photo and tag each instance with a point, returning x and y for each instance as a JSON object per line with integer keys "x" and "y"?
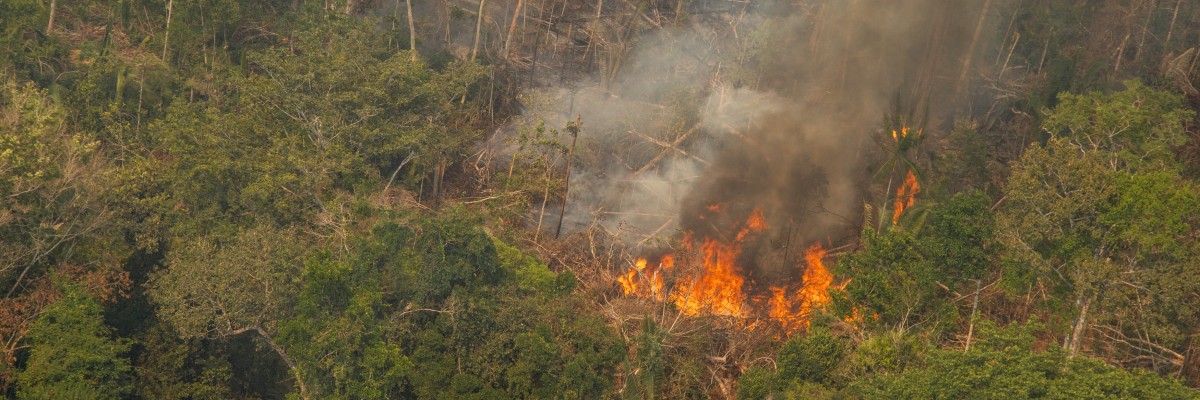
{"x": 454, "y": 252}
{"x": 884, "y": 354}
{"x": 891, "y": 278}
{"x": 958, "y": 236}
{"x": 217, "y": 287}
{"x": 54, "y": 204}
{"x": 532, "y": 275}
{"x": 340, "y": 339}
{"x": 421, "y": 301}
{"x": 1003, "y": 366}
{"x": 811, "y": 358}
{"x": 649, "y": 365}
{"x": 24, "y": 47}
{"x": 756, "y": 383}
{"x": 1101, "y": 214}
{"x": 1138, "y": 125}
{"x": 171, "y": 368}
{"x": 72, "y": 354}
{"x": 345, "y": 95}
{"x": 964, "y": 162}
{"x": 333, "y": 113}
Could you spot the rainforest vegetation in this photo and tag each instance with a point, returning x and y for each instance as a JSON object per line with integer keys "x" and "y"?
{"x": 590, "y": 199}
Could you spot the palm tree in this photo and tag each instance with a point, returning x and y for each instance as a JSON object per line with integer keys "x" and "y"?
{"x": 898, "y": 140}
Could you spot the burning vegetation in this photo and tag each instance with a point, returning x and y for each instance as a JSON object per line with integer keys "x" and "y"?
{"x": 708, "y": 276}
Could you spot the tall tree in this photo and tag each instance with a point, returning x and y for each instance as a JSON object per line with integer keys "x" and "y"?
{"x": 218, "y": 287}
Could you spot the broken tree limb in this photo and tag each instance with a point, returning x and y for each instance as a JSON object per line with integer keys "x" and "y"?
{"x": 666, "y": 150}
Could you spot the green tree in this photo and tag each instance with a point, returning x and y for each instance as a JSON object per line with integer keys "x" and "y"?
{"x": 215, "y": 287}
{"x": 891, "y": 278}
{"x": 811, "y": 358}
{"x": 73, "y": 355}
{"x": 1135, "y": 128}
{"x": 54, "y": 207}
{"x": 340, "y": 337}
{"x": 1100, "y": 214}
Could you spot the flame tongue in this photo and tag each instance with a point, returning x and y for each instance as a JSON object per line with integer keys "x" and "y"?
{"x": 905, "y": 196}
{"x": 793, "y": 311}
{"x": 817, "y": 280}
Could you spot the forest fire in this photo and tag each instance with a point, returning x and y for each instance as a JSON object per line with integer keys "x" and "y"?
{"x": 906, "y": 196}
{"x": 715, "y": 283}
{"x": 907, "y": 192}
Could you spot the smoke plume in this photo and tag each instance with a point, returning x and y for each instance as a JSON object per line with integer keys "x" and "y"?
{"x": 778, "y": 108}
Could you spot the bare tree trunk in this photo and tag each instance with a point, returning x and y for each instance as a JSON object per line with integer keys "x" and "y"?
{"x": 449, "y": 17}
{"x": 167, "y": 31}
{"x": 53, "y": 6}
{"x": 962, "y": 77}
{"x": 971, "y": 327}
{"x": 1077, "y": 331}
{"x": 1145, "y": 29}
{"x": 1121, "y": 52}
{"x": 542, "y": 214}
{"x": 567, "y": 186}
{"x": 1007, "y": 31}
{"x": 438, "y": 172}
{"x": 1016, "y": 40}
{"x": 412, "y": 31}
{"x": 478, "y": 27}
{"x": 1045, "y": 48}
{"x": 1174, "y": 15}
{"x": 512, "y": 27}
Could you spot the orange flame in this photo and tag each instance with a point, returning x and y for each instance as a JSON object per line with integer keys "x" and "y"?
{"x": 816, "y": 280}
{"x": 646, "y": 282}
{"x": 906, "y": 196}
{"x": 903, "y": 133}
{"x": 716, "y": 287}
{"x": 793, "y": 313}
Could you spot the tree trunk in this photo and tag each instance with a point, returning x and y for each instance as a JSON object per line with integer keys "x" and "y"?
{"x": 167, "y": 31}
{"x": 567, "y": 186}
{"x": 974, "y": 308}
{"x": 512, "y": 27}
{"x": 1171, "y": 30}
{"x": 478, "y": 27}
{"x": 1121, "y": 52}
{"x": 962, "y": 77}
{"x": 438, "y": 172}
{"x": 542, "y": 214}
{"x": 1072, "y": 344}
{"x": 412, "y": 31}
{"x": 1137, "y": 55}
{"x": 1016, "y": 39}
{"x": 53, "y": 6}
